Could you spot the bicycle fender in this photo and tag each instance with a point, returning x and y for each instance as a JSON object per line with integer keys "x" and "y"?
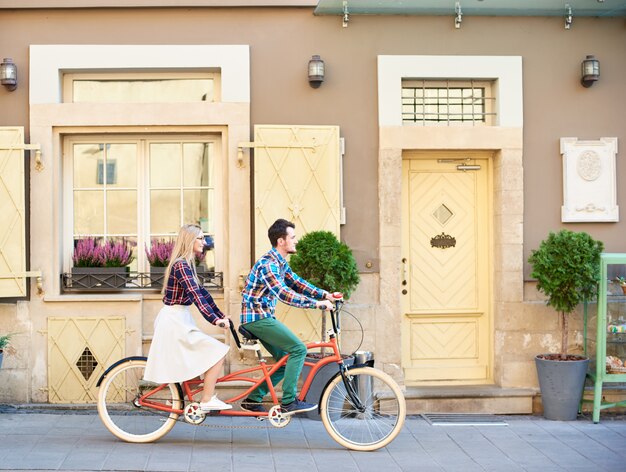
{"x": 112, "y": 366}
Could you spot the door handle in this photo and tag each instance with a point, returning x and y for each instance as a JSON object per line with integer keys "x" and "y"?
{"x": 404, "y": 282}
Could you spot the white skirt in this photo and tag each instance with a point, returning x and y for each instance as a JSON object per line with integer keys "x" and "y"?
{"x": 179, "y": 350}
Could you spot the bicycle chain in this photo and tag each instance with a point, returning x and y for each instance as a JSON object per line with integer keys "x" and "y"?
{"x": 181, "y": 419}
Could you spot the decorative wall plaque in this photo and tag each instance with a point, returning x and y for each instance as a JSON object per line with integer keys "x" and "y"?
{"x": 589, "y": 180}
{"x": 443, "y": 241}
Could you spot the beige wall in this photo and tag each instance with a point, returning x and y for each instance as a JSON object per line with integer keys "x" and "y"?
{"x": 282, "y": 41}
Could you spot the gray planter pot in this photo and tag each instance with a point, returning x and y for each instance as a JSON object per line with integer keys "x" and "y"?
{"x": 99, "y": 278}
{"x": 156, "y": 277}
{"x": 561, "y": 384}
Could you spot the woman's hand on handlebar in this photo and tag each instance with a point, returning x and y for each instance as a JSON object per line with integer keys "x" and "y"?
{"x": 223, "y": 323}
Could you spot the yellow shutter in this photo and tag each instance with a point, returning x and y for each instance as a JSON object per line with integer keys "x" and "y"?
{"x": 79, "y": 350}
{"x": 297, "y": 176}
{"x": 12, "y": 209}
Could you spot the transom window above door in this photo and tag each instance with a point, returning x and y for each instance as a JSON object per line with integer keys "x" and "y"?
{"x": 139, "y": 188}
{"x": 447, "y": 103}
{"x": 144, "y": 87}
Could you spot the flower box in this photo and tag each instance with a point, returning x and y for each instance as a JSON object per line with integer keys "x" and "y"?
{"x": 157, "y": 275}
{"x": 99, "y": 278}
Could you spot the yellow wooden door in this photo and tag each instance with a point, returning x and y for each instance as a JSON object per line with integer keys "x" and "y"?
{"x": 13, "y": 211}
{"x": 297, "y": 176}
{"x": 79, "y": 350}
{"x": 447, "y": 322}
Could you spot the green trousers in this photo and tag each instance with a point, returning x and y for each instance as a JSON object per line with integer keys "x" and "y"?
{"x": 279, "y": 340}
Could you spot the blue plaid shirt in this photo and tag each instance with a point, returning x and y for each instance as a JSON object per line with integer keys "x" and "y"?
{"x": 270, "y": 279}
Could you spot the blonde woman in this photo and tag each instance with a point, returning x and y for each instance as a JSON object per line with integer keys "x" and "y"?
{"x": 180, "y": 350}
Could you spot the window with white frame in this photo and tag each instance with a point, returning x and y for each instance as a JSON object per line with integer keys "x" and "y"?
{"x": 140, "y": 188}
{"x": 144, "y": 87}
{"x": 448, "y": 103}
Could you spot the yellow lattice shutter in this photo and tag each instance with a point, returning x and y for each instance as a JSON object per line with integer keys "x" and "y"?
{"x": 79, "y": 351}
{"x": 12, "y": 209}
{"x": 297, "y": 176}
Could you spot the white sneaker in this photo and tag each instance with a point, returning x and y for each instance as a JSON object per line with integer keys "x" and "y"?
{"x": 214, "y": 404}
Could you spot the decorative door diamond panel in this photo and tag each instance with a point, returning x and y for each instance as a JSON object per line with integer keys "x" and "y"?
{"x": 446, "y": 335}
{"x": 13, "y": 211}
{"x": 79, "y": 350}
{"x": 297, "y": 176}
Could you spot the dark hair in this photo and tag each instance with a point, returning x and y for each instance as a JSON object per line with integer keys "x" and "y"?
{"x": 278, "y": 230}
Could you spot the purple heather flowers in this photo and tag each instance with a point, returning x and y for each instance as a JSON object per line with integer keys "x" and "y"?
{"x": 90, "y": 253}
{"x": 160, "y": 252}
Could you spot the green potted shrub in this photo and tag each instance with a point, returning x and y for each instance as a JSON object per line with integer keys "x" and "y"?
{"x": 5, "y": 341}
{"x": 101, "y": 266}
{"x": 567, "y": 268}
{"x": 329, "y": 264}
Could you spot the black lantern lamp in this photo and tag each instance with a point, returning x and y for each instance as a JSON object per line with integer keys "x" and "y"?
{"x": 316, "y": 71}
{"x": 590, "y": 71}
{"x": 8, "y": 74}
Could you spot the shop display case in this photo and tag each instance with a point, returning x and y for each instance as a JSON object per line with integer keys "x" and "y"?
{"x": 605, "y": 334}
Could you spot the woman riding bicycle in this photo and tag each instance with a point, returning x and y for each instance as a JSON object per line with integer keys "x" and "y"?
{"x": 180, "y": 350}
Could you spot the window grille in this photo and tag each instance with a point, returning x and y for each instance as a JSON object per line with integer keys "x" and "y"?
{"x": 448, "y": 103}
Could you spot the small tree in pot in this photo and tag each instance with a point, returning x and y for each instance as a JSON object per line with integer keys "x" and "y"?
{"x": 327, "y": 263}
{"x": 567, "y": 268}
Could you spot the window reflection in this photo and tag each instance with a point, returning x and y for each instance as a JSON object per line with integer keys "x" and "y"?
{"x": 143, "y": 90}
{"x": 165, "y": 164}
{"x": 110, "y": 199}
{"x": 165, "y": 212}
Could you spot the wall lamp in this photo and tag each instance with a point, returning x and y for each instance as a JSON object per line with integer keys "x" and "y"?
{"x": 590, "y": 71}
{"x": 316, "y": 71}
{"x": 8, "y": 74}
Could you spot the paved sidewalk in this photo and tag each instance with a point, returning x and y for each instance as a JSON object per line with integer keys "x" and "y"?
{"x": 76, "y": 440}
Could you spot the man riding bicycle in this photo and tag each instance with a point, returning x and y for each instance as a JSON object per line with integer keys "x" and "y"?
{"x": 270, "y": 279}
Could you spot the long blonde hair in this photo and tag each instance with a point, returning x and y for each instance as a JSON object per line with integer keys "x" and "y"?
{"x": 183, "y": 250}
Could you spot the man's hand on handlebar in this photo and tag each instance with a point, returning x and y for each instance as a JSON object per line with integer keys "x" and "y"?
{"x": 324, "y": 305}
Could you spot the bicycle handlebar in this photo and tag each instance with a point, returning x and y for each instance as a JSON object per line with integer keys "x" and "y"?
{"x": 234, "y": 333}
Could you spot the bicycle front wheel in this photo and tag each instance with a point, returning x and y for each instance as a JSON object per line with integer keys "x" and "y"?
{"x": 119, "y": 409}
{"x": 376, "y": 423}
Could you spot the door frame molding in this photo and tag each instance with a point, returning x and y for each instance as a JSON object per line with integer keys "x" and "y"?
{"x": 505, "y": 140}
{"x": 508, "y": 217}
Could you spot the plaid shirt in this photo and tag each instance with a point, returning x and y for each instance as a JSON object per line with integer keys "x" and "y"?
{"x": 182, "y": 289}
{"x": 271, "y": 278}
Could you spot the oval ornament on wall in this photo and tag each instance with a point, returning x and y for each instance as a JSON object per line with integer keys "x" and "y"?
{"x": 589, "y": 166}
{"x": 443, "y": 241}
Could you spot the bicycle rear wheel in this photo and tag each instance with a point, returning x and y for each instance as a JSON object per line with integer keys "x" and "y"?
{"x": 119, "y": 409}
{"x": 377, "y": 423}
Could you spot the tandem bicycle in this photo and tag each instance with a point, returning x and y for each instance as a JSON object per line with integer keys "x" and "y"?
{"x": 138, "y": 411}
